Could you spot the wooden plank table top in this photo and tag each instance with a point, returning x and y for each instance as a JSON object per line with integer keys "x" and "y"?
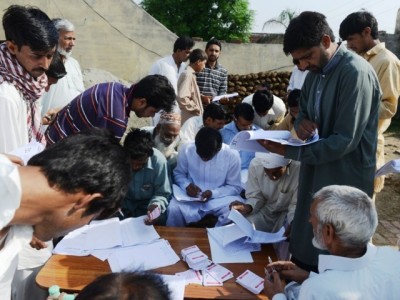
{"x": 73, "y": 273}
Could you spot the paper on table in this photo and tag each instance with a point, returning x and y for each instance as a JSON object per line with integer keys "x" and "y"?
{"x": 26, "y": 151}
{"x": 392, "y": 166}
{"x": 143, "y": 257}
{"x": 181, "y": 195}
{"x": 176, "y": 285}
{"x": 135, "y": 232}
{"x": 216, "y": 203}
{"x": 217, "y": 98}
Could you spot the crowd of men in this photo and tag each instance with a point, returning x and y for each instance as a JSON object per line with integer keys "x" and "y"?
{"x": 95, "y": 167}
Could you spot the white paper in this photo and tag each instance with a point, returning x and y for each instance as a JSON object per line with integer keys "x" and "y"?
{"x": 97, "y": 230}
{"x": 135, "y": 232}
{"x": 216, "y": 203}
{"x": 392, "y": 166}
{"x": 217, "y": 98}
{"x": 176, "y": 285}
{"x": 181, "y": 195}
{"x": 251, "y": 281}
{"x": 143, "y": 257}
{"x": 221, "y": 255}
{"x": 25, "y": 152}
{"x": 191, "y": 276}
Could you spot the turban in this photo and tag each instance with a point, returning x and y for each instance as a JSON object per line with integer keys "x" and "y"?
{"x": 272, "y": 160}
{"x": 170, "y": 118}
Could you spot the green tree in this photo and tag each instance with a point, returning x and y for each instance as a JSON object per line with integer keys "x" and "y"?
{"x": 283, "y": 19}
{"x": 224, "y": 19}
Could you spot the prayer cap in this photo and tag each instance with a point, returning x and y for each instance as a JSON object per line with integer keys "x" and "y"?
{"x": 271, "y": 160}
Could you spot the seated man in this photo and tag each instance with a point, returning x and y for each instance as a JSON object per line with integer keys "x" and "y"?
{"x": 344, "y": 220}
{"x": 288, "y": 121}
{"x": 271, "y": 192}
{"x": 207, "y": 170}
{"x": 149, "y": 187}
{"x": 243, "y": 120}
{"x": 213, "y": 117}
{"x": 270, "y": 110}
{"x": 61, "y": 189}
{"x": 166, "y": 136}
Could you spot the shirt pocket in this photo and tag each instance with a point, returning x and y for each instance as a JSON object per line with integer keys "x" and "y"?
{"x": 147, "y": 191}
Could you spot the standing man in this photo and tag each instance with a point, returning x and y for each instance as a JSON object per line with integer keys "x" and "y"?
{"x": 31, "y": 40}
{"x": 71, "y": 85}
{"x": 360, "y": 30}
{"x": 213, "y": 80}
{"x": 340, "y": 98}
{"x": 108, "y": 105}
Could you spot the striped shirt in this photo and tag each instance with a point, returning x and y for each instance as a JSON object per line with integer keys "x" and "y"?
{"x": 213, "y": 82}
{"x": 105, "y": 105}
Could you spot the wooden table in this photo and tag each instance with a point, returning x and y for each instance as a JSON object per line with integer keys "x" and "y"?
{"x": 72, "y": 273}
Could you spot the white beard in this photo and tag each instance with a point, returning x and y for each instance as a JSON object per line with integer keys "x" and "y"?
{"x": 317, "y": 240}
{"x": 63, "y": 52}
{"x": 166, "y": 150}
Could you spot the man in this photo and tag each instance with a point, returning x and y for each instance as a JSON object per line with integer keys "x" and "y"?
{"x": 150, "y": 188}
{"x": 243, "y": 120}
{"x": 213, "y": 80}
{"x": 339, "y": 98}
{"x": 213, "y": 117}
{"x": 166, "y": 136}
{"x": 209, "y": 171}
{"x": 31, "y": 40}
{"x": 61, "y": 189}
{"x": 107, "y": 105}
{"x": 344, "y": 220}
{"x": 293, "y": 104}
{"x": 270, "y": 110}
{"x": 360, "y": 30}
{"x": 71, "y": 85}
{"x": 271, "y": 192}
{"x": 297, "y": 77}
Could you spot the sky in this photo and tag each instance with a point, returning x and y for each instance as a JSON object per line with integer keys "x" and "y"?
{"x": 385, "y": 11}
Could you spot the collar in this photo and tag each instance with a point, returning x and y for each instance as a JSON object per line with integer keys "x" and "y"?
{"x": 336, "y": 57}
{"x": 374, "y": 50}
{"x": 340, "y": 263}
{"x": 216, "y": 66}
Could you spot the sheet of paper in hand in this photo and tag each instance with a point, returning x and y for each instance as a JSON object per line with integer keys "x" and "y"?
{"x": 181, "y": 195}
{"x": 217, "y": 98}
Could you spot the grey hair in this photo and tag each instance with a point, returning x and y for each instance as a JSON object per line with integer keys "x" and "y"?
{"x": 350, "y": 211}
{"x": 63, "y": 25}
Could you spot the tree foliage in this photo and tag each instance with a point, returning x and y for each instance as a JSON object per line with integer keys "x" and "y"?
{"x": 283, "y": 19}
{"x": 223, "y": 19}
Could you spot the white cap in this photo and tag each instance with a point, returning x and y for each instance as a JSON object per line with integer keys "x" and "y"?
{"x": 271, "y": 160}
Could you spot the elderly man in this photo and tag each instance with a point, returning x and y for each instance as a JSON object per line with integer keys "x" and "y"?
{"x": 208, "y": 171}
{"x": 270, "y": 109}
{"x": 71, "y": 85}
{"x": 31, "y": 41}
{"x": 344, "y": 220}
{"x": 213, "y": 117}
{"x": 339, "y": 82}
{"x": 360, "y": 30}
{"x": 166, "y": 136}
{"x": 150, "y": 188}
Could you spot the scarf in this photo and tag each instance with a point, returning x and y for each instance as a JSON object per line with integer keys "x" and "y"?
{"x": 12, "y": 71}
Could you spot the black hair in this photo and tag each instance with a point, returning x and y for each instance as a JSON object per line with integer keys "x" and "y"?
{"x": 356, "y": 23}
{"x": 306, "y": 31}
{"x": 213, "y": 111}
{"x": 294, "y": 98}
{"x": 29, "y": 26}
{"x": 245, "y": 111}
{"x": 197, "y": 54}
{"x": 263, "y": 101}
{"x": 139, "y": 143}
{"x": 183, "y": 43}
{"x": 138, "y": 285}
{"x": 208, "y": 142}
{"x": 91, "y": 161}
{"x": 214, "y": 41}
{"x": 157, "y": 90}
{"x": 56, "y": 68}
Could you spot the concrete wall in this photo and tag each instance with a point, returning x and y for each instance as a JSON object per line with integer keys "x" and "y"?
{"x": 120, "y": 37}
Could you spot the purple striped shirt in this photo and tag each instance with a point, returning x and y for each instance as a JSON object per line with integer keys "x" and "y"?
{"x": 105, "y": 105}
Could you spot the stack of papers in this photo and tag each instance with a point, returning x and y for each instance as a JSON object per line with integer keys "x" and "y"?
{"x": 130, "y": 244}
{"x": 195, "y": 258}
{"x": 191, "y": 276}
{"x": 392, "y": 166}
{"x": 218, "y": 272}
{"x": 251, "y": 281}
{"x": 247, "y": 140}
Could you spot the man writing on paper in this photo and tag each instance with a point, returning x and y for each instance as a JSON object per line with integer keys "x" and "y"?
{"x": 340, "y": 98}
{"x": 344, "y": 220}
{"x": 208, "y": 170}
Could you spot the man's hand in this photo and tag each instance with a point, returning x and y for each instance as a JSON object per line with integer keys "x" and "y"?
{"x": 244, "y": 209}
{"x": 273, "y": 146}
{"x": 37, "y": 244}
{"x": 272, "y": 285}
{"x": 50, "y": 116}
{"x": 206, "y": 99}
{"x": 306, "y": 129}
{"x": 206, "y": 195}
{"x": 151, "y": 209}
{"x": 193, "y": 190}
{"x": 288, "y": 270}
{"x": 14, "y": 159}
